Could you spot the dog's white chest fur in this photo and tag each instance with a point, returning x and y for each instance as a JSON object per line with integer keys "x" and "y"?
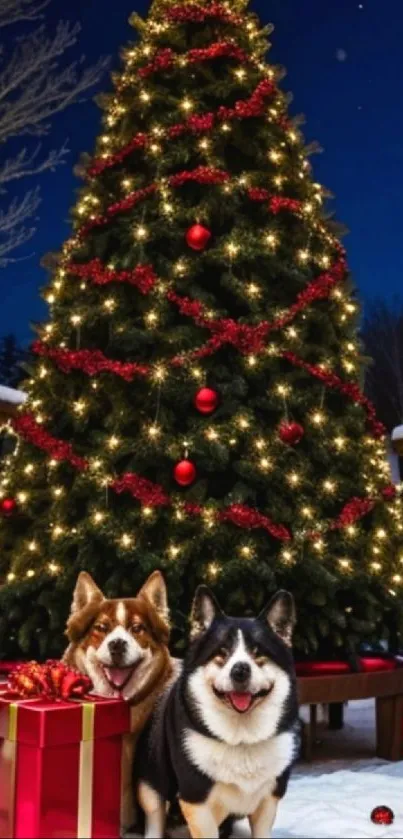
{"x": 244, "y": 773}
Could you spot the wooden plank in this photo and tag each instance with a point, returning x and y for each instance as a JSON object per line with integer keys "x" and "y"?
{"x": 389, "y": 731}
{"x": 350, "y": 686}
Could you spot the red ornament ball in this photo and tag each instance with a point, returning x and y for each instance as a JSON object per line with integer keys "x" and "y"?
{"x": 185, "y": 473}
{"x": 382, "y": 815}
{"x": 206, "y": 400}
{"x": 291, "y": 433}
{"x": 198, "y": 237}
{"x": 8, "y": 506}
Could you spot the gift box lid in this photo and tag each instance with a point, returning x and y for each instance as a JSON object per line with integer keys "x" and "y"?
{"x": 43, "y": 723}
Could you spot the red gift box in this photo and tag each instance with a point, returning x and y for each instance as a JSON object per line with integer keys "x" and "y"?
{"x": 61, "y": 767}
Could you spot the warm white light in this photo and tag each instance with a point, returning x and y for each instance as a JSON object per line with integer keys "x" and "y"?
{"x": 126, "y": 541}
{"x": 318, "y": 418}
{"x": 154, "y": 431}
{"x": 113, "y": 442}
{"x": 271, "y": 240}
{"x": 232, "y": 249}
{"x": 186, "y": 104}
{"x": 330, "y": 486}
{"x": 174, "y": 551}
{"x": 79, "y": 407}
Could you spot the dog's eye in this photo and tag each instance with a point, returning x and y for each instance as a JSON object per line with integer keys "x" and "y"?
{"x": 137, "y": 628}
{"x": 221, "y": 656}
{"x": 100, "y": 627}
{"x": 260, "y": 657}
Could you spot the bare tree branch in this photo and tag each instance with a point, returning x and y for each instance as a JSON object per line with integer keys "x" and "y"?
{"x": 383, "y": 338}
{"x": 15, "y": 11}
{"x": 25, "y": 165}
{"x": 35, "y": 85}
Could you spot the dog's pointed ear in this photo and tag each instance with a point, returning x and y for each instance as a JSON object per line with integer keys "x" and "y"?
{"x": 205, "y": 610}
{"x": 155, "y": 590}
{"x": 87, "y": 599}
{"x": 85, "y": 592}
{"x": 281, "y": 616}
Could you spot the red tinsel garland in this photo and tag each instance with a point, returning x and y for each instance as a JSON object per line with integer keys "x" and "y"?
{"x": 249, "y": 519}
{"x": 200, "y": 175}
{"x": 166, "y": 58}
{"x": 354, "y": 510}
{"x": 197, "y": 124}
{"x": 252, "y": 339}
{"x": 276, "y": 203}
{"x": 148, "y": 493}
{"x": 91, "y": 362}
{"x": 32, "y": 432}
{"x": 52, "y": 681}
{"x": 143, "y": 276}
{"x": 118, "y": 207}
{"x": 349, "y": 389}
{"x": 198, "y": 14}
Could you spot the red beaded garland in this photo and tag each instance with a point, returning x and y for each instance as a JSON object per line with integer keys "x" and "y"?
{"x": 8, "y": 506}
{"x": 185, "y": 473}
{"x": 198, "y": 237}
{"x": 291, "y": 433}
{"x": 206, "y": 400}
{"x": 382, "y": 815}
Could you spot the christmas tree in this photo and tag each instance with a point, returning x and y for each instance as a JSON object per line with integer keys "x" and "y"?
{"x": 196, "y": 402}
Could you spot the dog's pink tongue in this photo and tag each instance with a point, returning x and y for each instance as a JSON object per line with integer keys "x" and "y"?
{"x": 241, "y": 701}
{"x": 116, "y": 675}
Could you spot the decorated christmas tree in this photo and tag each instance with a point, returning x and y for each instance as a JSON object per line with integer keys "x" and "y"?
{"x": 196, "y": 403}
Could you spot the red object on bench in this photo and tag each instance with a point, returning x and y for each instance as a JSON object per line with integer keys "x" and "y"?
{"x": 368, "y": 664}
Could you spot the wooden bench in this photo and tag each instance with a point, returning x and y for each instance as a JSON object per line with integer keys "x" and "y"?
{"x": 386, "y": 687}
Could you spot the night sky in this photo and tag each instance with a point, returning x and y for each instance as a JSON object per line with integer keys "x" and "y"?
{"x": 345, "y": 68}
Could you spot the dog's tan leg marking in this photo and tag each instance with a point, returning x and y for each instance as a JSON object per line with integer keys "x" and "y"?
{"x": 155, "y": 809}
{"x": 262, "y": 820}
{"x": 203, "y": 820}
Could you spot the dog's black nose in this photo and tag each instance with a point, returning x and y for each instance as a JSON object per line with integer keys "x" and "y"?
{"x": 241, "y": 672}
{"x": 117, "y": 647}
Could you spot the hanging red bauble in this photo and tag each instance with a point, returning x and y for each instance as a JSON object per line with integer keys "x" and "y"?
{"x": 382, "y": 815}
{"x": 8, "y": 506}
{"x": 198, "y": 237}
{"x": 291, "y": 433}
{"x": 185, "y": 473}
{"x": 206, "y": 400}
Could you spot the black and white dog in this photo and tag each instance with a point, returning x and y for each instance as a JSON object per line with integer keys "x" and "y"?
{"x": 224, "y": 737}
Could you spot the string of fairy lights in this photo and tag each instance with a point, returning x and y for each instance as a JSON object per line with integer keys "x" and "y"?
{"x": 318, "y": 252}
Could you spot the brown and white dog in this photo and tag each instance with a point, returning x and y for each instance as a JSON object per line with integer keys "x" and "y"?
{"x": 122, "y": 645}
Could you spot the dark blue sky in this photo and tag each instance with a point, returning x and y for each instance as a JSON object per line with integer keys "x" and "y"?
{"x": 353, "y": 108}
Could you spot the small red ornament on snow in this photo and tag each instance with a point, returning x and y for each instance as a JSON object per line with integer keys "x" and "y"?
{"x": 291, "y": 433}
{"x": 206, "y": 400}
{"x": 185, "y": 473}
{"x": 198, "y": 237}
{"x": 382, "y": 815}
{"x": 8, "y": 506}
